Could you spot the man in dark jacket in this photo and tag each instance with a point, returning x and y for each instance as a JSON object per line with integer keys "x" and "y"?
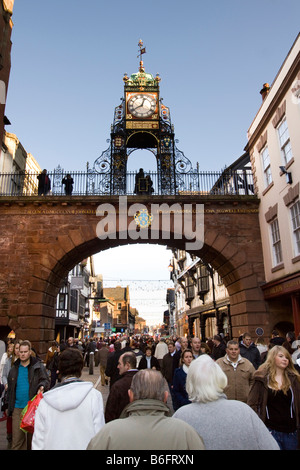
{"x": 102, "y": 356}
{"x": 90, "y": 351}
{"x": 118, "y": 396}
{"x": 276, "y": 338}
{"x": 249, "y": 350}
{"x": 219, "y": 348}
{"x": 112, "y": 370}
{"x": 27, "y": 377}
{"x": 170, "y": 362}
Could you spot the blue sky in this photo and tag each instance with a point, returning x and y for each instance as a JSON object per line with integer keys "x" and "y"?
{"x": 68, "y": 62}
{"x": 69, "y": 58}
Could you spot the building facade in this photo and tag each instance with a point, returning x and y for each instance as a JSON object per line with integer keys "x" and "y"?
{"x": 17, "y": 167}
{"x": 202, "y": 306}
{"x": 74, "y": 307}
{"x": 6, "y": 25}
{"x": 273, "y": 145}
{"x": 140, "y": 326}
{"x": 123, "y": 315}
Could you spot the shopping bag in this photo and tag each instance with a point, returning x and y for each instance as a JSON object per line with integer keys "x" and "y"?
{"x": 28, "y": 414}
{"x": 4, "y": 401}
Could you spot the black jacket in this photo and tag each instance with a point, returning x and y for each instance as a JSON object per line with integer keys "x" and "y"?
{"x": 37, "y": 376}
{"x": 112, "y": 370}
{"x": 169, "y": 364}
{"x": 218, "y": 351}
{"x": 154, "y": 363}
{"x": 251, "y": 353}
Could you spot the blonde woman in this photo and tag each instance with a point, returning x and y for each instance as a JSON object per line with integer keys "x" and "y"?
{"x": 275, "y": 397}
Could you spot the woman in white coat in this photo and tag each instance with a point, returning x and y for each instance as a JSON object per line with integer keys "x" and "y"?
{"x": 71, "y": 413}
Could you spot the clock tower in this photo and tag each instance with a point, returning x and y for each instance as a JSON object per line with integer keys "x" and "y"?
{"x": 141, "y": 121}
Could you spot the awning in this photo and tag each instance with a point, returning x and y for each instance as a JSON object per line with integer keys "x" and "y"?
{"x": 188, "y": 268}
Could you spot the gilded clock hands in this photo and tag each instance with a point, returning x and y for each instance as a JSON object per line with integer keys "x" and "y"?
{"x": 146, "y": 105}
{"x": 141, "y": 105}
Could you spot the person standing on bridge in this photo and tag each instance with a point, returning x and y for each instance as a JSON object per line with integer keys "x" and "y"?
{"x": 68, "y": 182}
{"x": 44, "y": 185}
{"x": 71, "y": 413}
{"x": 139, "y": 182}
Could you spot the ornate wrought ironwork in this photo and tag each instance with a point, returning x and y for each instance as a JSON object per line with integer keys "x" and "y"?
{"x": 157, "y": 137}
{"x": 93, "y": 183}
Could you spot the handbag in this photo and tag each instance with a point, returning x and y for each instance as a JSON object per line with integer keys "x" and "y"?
{"x": 28, "y": 414}
{"x": 4, "y": 401}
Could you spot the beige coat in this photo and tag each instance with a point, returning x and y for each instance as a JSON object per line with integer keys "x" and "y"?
{"x": 240, "y": 379}
{"x": 146, "y": 425}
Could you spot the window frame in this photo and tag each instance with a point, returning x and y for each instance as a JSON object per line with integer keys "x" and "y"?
{"x": 295, "y": 225}
{"x": 284, "y": 141}
{"x": 276, "y": 242}
{"x": 119, "y": 318}
{"x": 189, "y": 287}
{"x": 267, "y": 172}
{"x": 202, "y": 279}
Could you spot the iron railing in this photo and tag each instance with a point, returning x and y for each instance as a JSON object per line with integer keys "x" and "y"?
{"x": 238, "y": 182}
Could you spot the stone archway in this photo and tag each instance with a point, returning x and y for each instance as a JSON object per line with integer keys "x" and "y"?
{"x": 44, "y": 238}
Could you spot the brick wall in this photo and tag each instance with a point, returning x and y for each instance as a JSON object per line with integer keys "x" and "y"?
{"x": 43, "y": 238}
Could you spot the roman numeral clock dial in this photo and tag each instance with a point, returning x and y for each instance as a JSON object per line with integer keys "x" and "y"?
{"x": 142, "y": 105}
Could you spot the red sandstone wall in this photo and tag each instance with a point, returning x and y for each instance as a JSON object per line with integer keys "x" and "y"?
{"x": 43, "y": 238}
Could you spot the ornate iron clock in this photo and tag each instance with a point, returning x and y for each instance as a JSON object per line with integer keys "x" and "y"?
{"x": 141, "y": 121}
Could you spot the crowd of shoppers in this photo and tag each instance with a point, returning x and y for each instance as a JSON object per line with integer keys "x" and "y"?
{"x": 215, "y": 386}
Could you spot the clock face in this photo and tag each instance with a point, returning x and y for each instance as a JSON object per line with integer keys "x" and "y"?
{"x": 142, "y": 105}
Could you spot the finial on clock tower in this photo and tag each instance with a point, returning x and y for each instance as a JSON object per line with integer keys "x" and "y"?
{"x": 141, "y": 52}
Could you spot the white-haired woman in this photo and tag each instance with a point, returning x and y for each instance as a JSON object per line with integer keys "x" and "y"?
{"x": 223, "y": 424}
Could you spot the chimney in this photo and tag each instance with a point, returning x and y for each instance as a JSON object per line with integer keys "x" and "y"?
{"x": 265, "y": 90}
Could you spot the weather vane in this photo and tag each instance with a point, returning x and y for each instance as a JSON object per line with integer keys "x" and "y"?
{"x": 141, "y": 52}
